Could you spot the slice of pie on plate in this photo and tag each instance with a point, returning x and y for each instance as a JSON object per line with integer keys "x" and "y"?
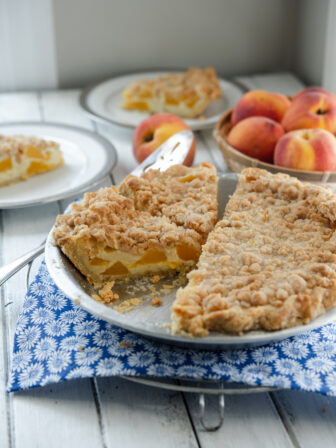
{"x": 186, "y": 196}
{"x": 22, "y": 157}
{"x": 270, "y": 263}
{"x": 107, "y": 237}
{"x": 184, "y": 94}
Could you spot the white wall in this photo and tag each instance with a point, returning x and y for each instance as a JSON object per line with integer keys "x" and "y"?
{"x": 99, "y": 38}
{"x": 71, "y": 43}
{"x": 310, "y": 40}
{"x": 27, "y": 47}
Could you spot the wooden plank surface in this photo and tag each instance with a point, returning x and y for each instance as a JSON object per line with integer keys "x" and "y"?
{"x": 34, "y": 416}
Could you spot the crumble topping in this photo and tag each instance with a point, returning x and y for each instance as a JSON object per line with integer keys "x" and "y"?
{"x": 109, "y": 219}
{"x": 186, "y": 196}
{"x": 269, "y": 264}
{"x": 15, "y": 144}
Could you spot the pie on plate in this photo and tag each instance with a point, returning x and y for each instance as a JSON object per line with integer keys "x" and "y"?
{"x": 269, "y": 264}
{"x": 109, "y": 236}
{"x": 23, "y": 156}
{"x": 184, "y": 94}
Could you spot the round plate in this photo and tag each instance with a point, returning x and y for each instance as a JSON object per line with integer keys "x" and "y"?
{"x": 102, "y": 101}
{"x": 150, "y": 321}
{"x": 87, "y": 156}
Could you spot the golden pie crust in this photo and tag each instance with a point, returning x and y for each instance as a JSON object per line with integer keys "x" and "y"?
{"x": 23, "y": 156}
{"x": 184, "y": 94}
{"x": 270, "y": 263}
{"x": 106, "y": 236}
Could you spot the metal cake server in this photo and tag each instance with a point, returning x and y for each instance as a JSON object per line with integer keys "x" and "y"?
{"x": 172, "y": 152}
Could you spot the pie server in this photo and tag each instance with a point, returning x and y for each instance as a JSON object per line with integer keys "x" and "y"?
{"x": 172, "y": 152}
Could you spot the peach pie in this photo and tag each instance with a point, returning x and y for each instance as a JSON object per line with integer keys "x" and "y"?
{"x": 109, "y": 235}
{"x": 270, "y": 263}
{"x": 184, "y": 94}
{"x": 22, "y": 157}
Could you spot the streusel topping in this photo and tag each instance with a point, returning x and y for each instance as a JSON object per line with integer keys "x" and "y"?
{"x": 186, "y": 196}
{"x": 112, "y": 220}
{"x": 269, "y": 264}
{"x": 11, "y": 145}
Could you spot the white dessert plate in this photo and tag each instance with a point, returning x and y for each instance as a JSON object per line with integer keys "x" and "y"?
{"x": 87, "y": 156}
{"x": 149, "y": 321}
{"x": 102, "y": 102}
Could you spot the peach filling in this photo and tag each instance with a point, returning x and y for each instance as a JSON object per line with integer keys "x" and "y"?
{"x": 187, "y": 253}
{"x": 116, "y": 269}
{"x": 6, "y": 164}
{"x": 188, "y": 178}
{"x": 140, "y": 105}
{"x": 98, "y": 262}
{"x": 38, "y": 167}
{"x": 151, "y": 256}
{"x": 33, "y": 153}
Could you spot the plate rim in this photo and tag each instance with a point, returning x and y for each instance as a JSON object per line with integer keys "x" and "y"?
{"x": 224, "y": 341}
{"x": 101, "y": 119}
{"x": 105, "y": 143}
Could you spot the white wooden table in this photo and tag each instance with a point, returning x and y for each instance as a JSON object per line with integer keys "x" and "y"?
{"x": 111, "y": 412}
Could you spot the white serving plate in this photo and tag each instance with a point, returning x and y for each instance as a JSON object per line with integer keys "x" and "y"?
{"x": 149, "y": 321}
{"x": 88, "y": 157}
{"x": 102, "y": 102}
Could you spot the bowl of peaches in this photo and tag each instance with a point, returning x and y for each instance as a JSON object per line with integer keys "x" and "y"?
{"x": 294, "y": 135}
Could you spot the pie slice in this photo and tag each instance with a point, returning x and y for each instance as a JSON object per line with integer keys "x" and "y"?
{"x": 184, "y": 94}
{"x": 107, "y": 238}
{"x": 186, "y": 196}
{"x": 22, "y": 157}
{"x": 270, "y": 263}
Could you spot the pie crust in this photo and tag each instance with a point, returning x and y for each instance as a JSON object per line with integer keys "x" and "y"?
{"x": 22, "y": 157}
{"x": 184, "y": 94}
{"x": 270, "y": 263}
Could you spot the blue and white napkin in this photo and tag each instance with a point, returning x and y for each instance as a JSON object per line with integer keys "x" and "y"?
{"x": 55, "y": 340}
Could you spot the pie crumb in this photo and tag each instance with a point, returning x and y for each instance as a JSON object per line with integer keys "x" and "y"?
{"x": 125, "y": 344}
{"x": 155, "y": 279}
{"x": 128, "y": 305}
{"x": 105, "y": 294}
{"x": 156, "y": 301}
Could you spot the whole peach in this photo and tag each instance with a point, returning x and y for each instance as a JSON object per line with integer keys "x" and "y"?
{"x": 307, "y": 149}
{"x": 155, "y": 130}
{"x": 313, "y": 89}
{"x": 256, "y": 137}
{"x": 311, "y": 110}
{"x": 260, "y": 103}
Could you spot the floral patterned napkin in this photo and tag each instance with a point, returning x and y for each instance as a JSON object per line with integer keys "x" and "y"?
{"x": 55, "y": 340}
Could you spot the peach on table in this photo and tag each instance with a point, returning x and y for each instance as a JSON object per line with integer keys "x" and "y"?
{"x": 155, "y": 130}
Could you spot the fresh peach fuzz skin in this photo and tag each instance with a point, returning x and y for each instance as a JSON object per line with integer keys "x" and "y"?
{"x": 311, "y": 110}
{"x": 155, "y": 130}
{"x": 260, "y": 103}
{"x": 256, "y": 137}
{"x": 313, "y": 89}
{"x": 307, "y": 149}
